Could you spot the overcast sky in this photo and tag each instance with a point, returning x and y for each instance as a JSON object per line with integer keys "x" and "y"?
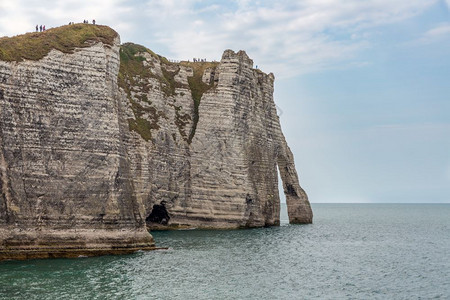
{"x": 363, "y": 86}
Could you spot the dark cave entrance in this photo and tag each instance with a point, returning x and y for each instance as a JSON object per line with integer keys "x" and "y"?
{"x": 159, "y": 214}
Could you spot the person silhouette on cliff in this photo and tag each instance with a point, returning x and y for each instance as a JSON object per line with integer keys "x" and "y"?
{"x": 37, "y": 28}
{"x": 40, "y": 28}
{"x": 93, "y": 22}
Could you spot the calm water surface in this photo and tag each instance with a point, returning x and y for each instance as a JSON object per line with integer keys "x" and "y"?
{"x": 352, "y": 251}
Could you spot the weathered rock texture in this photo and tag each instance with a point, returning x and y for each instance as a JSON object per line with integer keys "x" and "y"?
{"x": 65, "y": 176}
{"x": 211, "y": 161}
{"x": 100, "y": 141}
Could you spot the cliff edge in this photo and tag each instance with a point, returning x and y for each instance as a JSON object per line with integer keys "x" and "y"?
{"x": 101, "y": 141}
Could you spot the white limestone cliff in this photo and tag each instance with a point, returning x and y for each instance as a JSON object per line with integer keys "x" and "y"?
{"x": 102, "y": 141}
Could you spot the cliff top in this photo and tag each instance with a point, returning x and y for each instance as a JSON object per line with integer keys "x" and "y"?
{"x": 36, "y": 45}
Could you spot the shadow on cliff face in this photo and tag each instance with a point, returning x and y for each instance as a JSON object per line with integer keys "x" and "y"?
{"x": 159, "y": 214}
{"x": 291, "y": 190}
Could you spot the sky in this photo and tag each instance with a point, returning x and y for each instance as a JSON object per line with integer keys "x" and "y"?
{"x": 362, "y": 87}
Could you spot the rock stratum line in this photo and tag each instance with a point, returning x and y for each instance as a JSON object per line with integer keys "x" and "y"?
{"x": 101, "y": 142}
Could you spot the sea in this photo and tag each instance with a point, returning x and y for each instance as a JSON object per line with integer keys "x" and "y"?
{"x": 351, "y": 251}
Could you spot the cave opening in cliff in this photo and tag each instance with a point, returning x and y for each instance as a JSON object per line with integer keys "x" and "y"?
{"x": 159, "y": 214}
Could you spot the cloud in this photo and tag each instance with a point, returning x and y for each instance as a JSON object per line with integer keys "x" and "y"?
{"x": 285, "y": 37}
{"x": 441, "y": 31}
{"x": 436, "y": 34}
{"x": 19, "y": 16}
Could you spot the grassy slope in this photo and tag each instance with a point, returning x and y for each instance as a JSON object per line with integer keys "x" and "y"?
{"x": 36, "y": 45}
{"x": 134, "y": 74}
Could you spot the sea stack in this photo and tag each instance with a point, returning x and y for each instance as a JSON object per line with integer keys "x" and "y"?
{"x": 101, "y": 142}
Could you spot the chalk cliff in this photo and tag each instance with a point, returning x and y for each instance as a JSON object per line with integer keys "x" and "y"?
{"x": 100, "y": 140}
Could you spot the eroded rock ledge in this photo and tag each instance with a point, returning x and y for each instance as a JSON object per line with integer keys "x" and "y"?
{"x": 100, "y": 140}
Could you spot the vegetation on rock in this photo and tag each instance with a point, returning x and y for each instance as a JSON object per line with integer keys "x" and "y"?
{"x": 36, "y": 45}
{"x": 170, "y": 84}
{"x": 198, "y": 88}
{"x": 134, "y": 74}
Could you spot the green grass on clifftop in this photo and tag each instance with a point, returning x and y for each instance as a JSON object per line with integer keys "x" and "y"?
{"x": 131, "y": 65}
{"x": 36, "y": 45}
{"x": 134, "y": 74}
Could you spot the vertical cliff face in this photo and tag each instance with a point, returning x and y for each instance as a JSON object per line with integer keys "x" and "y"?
{"x": 234, "y": 149}
{"x": 205, "y": 143}
{"x": 99, "y": 142}
{"x": 64, "y": 171}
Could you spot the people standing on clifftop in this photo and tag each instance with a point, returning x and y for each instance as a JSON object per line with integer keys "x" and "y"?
{"x": 37, "y": 28}
{"x": 43, "y": 28}
{"x": 93, "y": 22}
{"x": 40, "y": 28}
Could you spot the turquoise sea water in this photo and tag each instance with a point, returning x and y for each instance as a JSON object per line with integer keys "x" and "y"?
{"x": 352, "y": 251}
